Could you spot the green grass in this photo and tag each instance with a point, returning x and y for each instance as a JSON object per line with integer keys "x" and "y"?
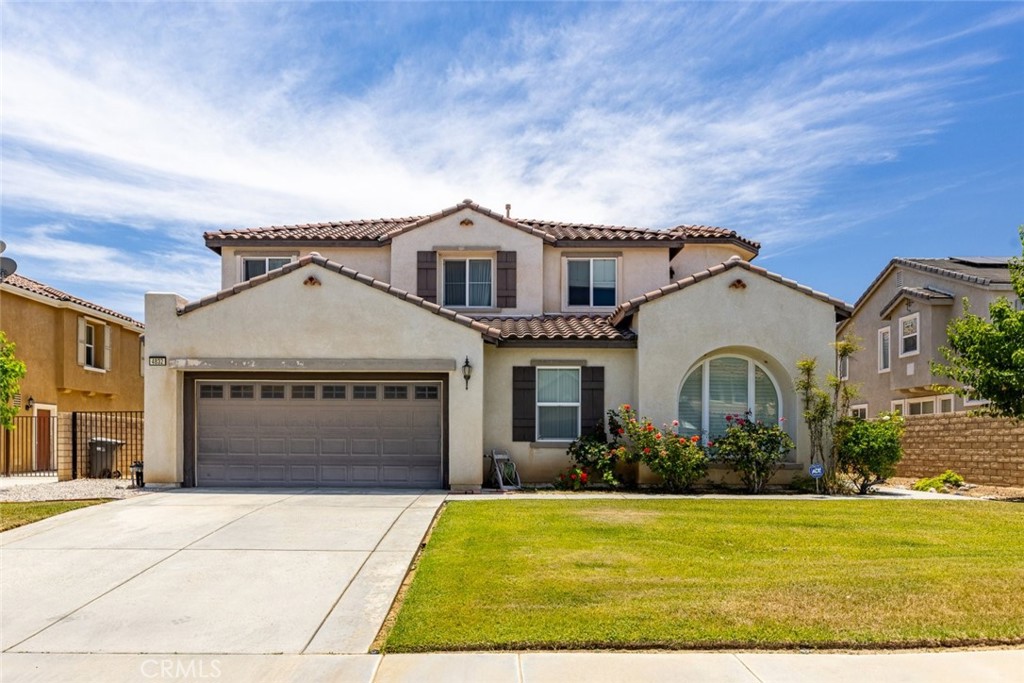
{"x": 716, "y": 573}
{"x": 18, "y": 514}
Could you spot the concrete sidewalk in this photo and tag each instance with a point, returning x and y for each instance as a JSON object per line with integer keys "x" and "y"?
{"x": 987, "y": 666}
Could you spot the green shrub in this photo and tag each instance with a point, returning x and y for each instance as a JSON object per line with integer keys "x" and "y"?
{"x": 679, "y": 461}
{"x": 870, "y": 450}
{"x": 573, "y": 479}
{"x": 948, "y": 479}
{"x": 753, "y": 450}
{"x": 593, "y": 454}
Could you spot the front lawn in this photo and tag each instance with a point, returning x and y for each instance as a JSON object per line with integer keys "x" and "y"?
{"x": 690, "y": 573}
{"x": 17, "y": 514}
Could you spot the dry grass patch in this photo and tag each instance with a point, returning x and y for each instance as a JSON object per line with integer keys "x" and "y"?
{"x": 690, "y": 573}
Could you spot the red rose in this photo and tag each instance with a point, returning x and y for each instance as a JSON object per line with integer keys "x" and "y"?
{"x": 625, "y": 406}
{"x": 621, "y": 430}
{"x": 658, "y": 436}
{"x": 694, "y": 439}
{"x": 711, "y": 443}
{"x": 573, "y": 476}
{"x": 647, "y": 451}
{"x": 583, "y": 477}
{"x": 728, "y": 418}
{"x": 682, "y": 440}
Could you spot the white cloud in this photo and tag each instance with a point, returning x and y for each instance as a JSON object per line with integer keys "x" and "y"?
{"x": 169, "y": 117}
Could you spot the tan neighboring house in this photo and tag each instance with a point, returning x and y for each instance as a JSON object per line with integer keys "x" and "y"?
{"x": 79, "y": 356}
{"x": 901, "y": 321}
{"x": 396, "y": 352}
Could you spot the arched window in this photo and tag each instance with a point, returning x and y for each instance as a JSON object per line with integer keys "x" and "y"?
{"x": 726, "y": 385}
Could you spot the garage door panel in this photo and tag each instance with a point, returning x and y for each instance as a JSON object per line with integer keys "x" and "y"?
{"x": 279, "y": 434}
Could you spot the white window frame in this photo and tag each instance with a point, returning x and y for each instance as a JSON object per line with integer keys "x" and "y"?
{"x": 705, "y": 389}
{"x": 900, "y": 404}
{"x": 859, "y": 407}
{"x": 590, "y": 260}
{"x": 917, "y": 335}
{"x": 884, "y": 363}
{"x": 938, "y": 404}
{"x": 467, "y": 259}
{"x": 920, "y": 401}
{"x": 538, "y": 405}
{"x": 843, "y": 367}
{"x": 102, "y": 333}
{"x": 90, "y": 345}
{"x": 243, "y": 258}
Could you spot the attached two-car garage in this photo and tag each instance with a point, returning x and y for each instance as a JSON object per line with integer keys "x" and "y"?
{"x": 319, "y": 433}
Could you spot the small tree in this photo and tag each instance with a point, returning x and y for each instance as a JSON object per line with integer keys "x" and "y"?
{"x": 987, "y": 356}
{"x": 752, "y": 449}
{"x": 12, "y": 371}
{"x": 870, "y": 450}
{"x": 826, "y": 410}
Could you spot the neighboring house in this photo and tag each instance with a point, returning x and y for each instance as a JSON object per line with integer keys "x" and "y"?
{"x": 396, "y": 352}
{"x": 78, "y": 356}
{"x": 901, "y": 322}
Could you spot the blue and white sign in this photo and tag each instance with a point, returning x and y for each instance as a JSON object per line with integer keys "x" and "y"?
{"x": 817, "y": 471}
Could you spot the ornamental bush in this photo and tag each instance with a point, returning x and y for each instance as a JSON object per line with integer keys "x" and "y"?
{"x": 753, "y": 450}
{"x": 679, "y": 461}
{"x": 573, "y": 479}
{"x": 947, "y": 480}
{"x": 593, "y": 454}
{"x": 870, "y": 449}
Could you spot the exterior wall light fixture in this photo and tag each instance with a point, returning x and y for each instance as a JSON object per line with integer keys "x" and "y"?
{"x": 467, "y": 372}
{"x": 30, "y": 404}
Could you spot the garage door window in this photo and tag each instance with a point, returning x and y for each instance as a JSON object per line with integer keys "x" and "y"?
{"x": 243, "y": 391}
{"x": 365, "y": 392}
{"x": 426, "y": 393}
{"x": 333, "y": 391}
{"x": 211, "y": 391}
{"x": 393, "y": 393}
{"x": 303, "y": 391}
{"x": 269, "y": 391}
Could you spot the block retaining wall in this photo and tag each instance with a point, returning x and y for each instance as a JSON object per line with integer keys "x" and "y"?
{"x": 983, "y": 450}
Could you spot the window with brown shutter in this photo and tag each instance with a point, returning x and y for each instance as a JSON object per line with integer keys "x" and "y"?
{"x": 426, "y": 275}
{"x": 524, "y": 403}
{"x": 506, "y": 279}
{"x": 591, "y": 398}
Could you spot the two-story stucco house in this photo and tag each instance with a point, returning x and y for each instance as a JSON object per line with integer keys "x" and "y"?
{"x": 396, "y": 352}
{"x": 901, "y": 322}
{"x": 79, "y": 356}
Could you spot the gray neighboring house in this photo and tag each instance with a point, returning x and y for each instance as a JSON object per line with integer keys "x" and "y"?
{"x": 901, "y": 320}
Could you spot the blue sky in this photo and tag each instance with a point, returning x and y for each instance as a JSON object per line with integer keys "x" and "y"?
{"x": 839, "y": 135}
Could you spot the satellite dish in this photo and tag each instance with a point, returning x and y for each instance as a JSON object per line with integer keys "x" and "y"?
{"x": 7, "y": 267}
{"x": 3, "y": 246}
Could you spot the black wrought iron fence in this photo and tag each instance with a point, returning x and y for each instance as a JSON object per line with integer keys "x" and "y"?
{"x": 30, "y": 448}
{"x": 73, "y": 445}
{"x": 105, "y": 444}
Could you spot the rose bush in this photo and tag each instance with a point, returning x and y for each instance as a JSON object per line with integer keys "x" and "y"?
{"x": 679, "y": 461}
{"x": 573, "y": 479}
{"x": 753, "y": 449}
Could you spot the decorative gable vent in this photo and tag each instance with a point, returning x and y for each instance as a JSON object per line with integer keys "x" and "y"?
{"x": 899, "y": 279}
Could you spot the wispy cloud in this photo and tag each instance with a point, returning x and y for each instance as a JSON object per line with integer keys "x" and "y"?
{"x": 171, "y": 118}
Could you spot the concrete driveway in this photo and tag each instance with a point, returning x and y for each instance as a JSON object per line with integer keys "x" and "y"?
{"x": 212, "y": 571}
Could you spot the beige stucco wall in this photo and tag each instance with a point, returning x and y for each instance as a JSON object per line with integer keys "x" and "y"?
{"x": 766, "y": 321}
{"x": 542, "y": 464}
{"x": 373, "y": 261}
{"x": 640, "y": 270}
{"x": 484, "y": 238}
{"x": 878, "y": 389}
{"x": 697, "y": 257}
{"x": 46, "y": 337}
{"x": 285, "y": 319}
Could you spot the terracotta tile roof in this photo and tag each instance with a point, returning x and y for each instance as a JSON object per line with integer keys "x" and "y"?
{"x": 980, "y": 270}
{"x": 560, "y": 327}
{"x": 382, "y": 230}
{"x": 630, "y": 307}
{"x": 317, "y": 259}
{"x": 29, "y": 285}
{"x": 926, "y": 294}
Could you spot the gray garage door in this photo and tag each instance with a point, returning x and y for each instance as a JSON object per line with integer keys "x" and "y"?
{"x": 319, "y": 434}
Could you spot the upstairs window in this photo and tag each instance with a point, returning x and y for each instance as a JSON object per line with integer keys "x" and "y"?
{"x": 844, "y": 367}
{"x": 94, "y": 344}
{"x": 261, "y": 265}
{"x": 468, "y": 283}
{"x": 591, "y": 282}
{"x": 883, "y": 350}
{"x": 909, "y": 327}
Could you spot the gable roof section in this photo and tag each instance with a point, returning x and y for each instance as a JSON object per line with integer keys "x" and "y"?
{"x": 380, "y": 231}
{"x": 317, "y": 259}
{"x": 630, "y": 307}
{"x": 38, "y": 288}
{"x": 923, "y": 294}
{"x": 560, "y": 328}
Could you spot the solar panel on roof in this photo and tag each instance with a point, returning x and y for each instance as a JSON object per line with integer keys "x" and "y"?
{"x": 981, "y": 261}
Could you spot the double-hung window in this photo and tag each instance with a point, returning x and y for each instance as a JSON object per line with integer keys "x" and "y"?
{"x": 261, "y": 265}
{"x": 558, "y": 404}
{"x": 591, "y": 282}
{"x": 468, "y": 283}
{"x": 90, "y": 345}
{"x": 909, "y": 326}
{"x": 884, "y": 357}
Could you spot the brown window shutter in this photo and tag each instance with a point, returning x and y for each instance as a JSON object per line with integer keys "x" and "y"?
{"x": 591, "y": 398}
{"x": 426, "y": 275}
{"x": 506, "y": 279}
{"x": 524, "y": 403}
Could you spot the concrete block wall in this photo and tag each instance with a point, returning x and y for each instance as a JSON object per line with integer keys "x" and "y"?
{"x": 983, "y": 450}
